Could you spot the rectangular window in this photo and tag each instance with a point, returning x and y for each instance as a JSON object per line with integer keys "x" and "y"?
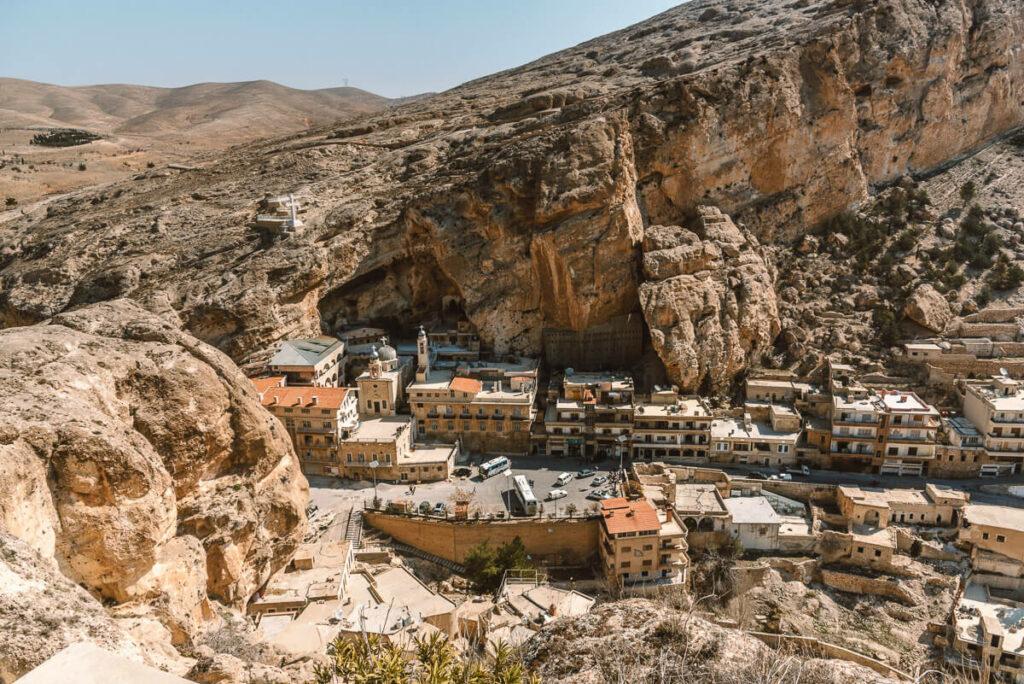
{"x": 1000, "y": 538}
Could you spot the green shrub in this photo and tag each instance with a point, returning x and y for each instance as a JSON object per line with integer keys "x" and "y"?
{"x": 63, "y": 137}
{"x": 968, "y": 192}
{"x": 1005, "y": 274}
{"x": 486, "y": 565}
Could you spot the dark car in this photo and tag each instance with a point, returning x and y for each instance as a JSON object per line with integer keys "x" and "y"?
{"x": 757, "y": 476}
{"x": 585, "y": 472}
{"x": 462, "y": 472}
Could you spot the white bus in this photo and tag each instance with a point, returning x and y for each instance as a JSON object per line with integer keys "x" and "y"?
{"x": 495, "y": 466}
{"x": 525, "y": 494}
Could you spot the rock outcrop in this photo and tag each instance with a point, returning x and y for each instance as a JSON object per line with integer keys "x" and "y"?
{"x": 928, "y": 308}
{"x": 140, "y": 460}
{"x": 709, "y": 300}
{"x": 520, "y": 200}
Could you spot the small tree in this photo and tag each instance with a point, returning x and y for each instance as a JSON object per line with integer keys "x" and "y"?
{"x": 485, "y": 565}
{"x": 968, "y": 191}
{"x": 11, "y": 202}
{"x": 570, "y": 510}
{"x": 81, "y": 166}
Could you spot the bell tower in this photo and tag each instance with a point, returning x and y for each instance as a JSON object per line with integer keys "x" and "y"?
{"x": 422, "y": 356}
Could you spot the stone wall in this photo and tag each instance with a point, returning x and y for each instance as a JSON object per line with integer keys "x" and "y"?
{"x": 824, "y": 649}
{"x": 612, "y": 345}
{"x": 858, "y": 584}
{"x": 1008, "y": 332}
{"x": 569, "y": 541}
{"x": 993, "y": 315}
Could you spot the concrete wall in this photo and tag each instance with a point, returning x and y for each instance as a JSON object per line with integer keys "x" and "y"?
{"x": 553, "y": 542}
{"x": 823, "y": 649}
{"x": 856, "y": 584}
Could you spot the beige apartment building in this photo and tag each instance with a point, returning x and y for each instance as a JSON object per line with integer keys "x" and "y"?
{"x": 961, "y": 452}
{"x": 316, "y": 361}
{"x": 487, "y": 407}
{"x": 589, "y": 414}
{"x": 766, "y": 434}
{"x": 889, "y": 432}
{"x": 316, "y": 418}
{"x": 996, "y": 408}
{"x": 994, "y": 529}
{"x": 671, "y": 428}
{"x": 642, "y": 547}
{"x": 934, "y": 506}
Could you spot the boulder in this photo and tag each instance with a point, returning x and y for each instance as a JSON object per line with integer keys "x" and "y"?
{"x": 928, "y": 308}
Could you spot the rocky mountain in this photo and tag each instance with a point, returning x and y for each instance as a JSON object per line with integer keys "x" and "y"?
{"x": 548, "y": 196}
{"x": 220, "y": 113}
{"x": 137, "y": 463}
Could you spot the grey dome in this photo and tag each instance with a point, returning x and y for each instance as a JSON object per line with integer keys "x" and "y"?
{"x": 387, "y": 353}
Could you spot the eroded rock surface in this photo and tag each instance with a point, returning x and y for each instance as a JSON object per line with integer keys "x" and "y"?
{"x": 520, "y": 199}
{"x": 709, "y": 300}
{"x": 140, "y": 460}
{"x": 928, "y": 308}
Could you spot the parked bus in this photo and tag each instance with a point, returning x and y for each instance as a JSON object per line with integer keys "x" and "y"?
{"x": 525, "y": 494}
{"x": 495, "y": 466}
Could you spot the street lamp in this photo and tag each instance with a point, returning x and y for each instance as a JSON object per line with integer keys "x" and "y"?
{"x": 373, "y": 469}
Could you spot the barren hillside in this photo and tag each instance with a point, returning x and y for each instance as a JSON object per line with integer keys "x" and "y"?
{"x": 528, "y": 200}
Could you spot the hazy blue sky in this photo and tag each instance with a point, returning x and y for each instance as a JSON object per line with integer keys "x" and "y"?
{"x": 391, "y": 47}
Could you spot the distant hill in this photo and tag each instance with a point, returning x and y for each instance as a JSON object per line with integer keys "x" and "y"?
{"x": 212, "y": 114}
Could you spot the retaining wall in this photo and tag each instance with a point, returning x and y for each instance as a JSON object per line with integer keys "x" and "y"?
{"x": 824, "y": 649}
{"x": 857, "y": 584}
{"x": 563, "y": 541}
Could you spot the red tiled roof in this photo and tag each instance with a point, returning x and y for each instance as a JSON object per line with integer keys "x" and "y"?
{"x": 466, "y": 385}
{"x": 303, "y": 397}
{"x": 622, "y": 516}
{"x": 263, "y": 384}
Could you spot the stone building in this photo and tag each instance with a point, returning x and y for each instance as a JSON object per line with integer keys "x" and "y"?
{"x": 487, "y": 406}
{"x": 642, "y": 547}
{"x": 589, "y": 414}
{"x": 961, "y": 452}
{"x": 995, "y": 530}
{"x": 316, "y": 361}
{"x": 382, "y": 384}
{"x": 316, "y": 418}
{"x": 996, "y": 408}
{"x": 934, "y": 506}
{"x": 671, "y": 428}
{"x": 766, "y": 434}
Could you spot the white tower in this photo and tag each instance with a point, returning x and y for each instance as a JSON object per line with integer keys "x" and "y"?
{"x": 375, "y": 364}
{"x": 422, "y": 356}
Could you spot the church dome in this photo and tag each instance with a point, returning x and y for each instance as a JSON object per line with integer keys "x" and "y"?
{"x": 387, "y": 353}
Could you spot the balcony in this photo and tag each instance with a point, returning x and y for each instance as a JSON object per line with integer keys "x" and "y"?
{"x": 900, "y": 436}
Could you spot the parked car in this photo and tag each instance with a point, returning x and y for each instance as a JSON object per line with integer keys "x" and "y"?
{"x": 599, "y": 495}
{"x": 556, "y": 494}
{"x": 440, "y": 509}
{"x": 462, "y": 471}
{"x": 599, "y": 480}
{"x": 802, "y": 470}
{"x": 757, "y": 476}
{"x": 781, "y": 476}
{"x": 424, "y": 507}
{"x": 563, "y": 479}
{"x": 585, "y": 472}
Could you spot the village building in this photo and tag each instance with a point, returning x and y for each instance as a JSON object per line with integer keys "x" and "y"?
{"x": 319, "y": 572}
{"x": 487, "y": 406}
{"x": 921, "y": 352}
{"x": 279, "y": 215}
{"x": 934, "y": 506}
{"x": 986, "y": 631}
{"x": 382, "y": 384}
{"x": 671, "y": 428}
{"x": 777, "y": 390}
{"x": 316, "y": 418}
{"x": 994, "y": 531}
{"x": 888, "y": 432}
{"x": 768, "y": 522}
{"x": 766, "y": 434}
{"x": 316, "y": 361}
{"x": 960, "y": 452}
{"x": 589, "y": 414}
{"x": 996, "y": 408}
{"x": 641, "y": 546}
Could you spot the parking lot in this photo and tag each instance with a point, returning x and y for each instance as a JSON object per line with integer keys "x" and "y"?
{"x": 489, "y": 496}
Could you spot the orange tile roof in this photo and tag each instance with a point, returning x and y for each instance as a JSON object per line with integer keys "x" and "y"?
{"x": 622, "y": 516}
{"x": 263, "y": 384}
{"x": 303, "y": 397}
{"x": 466, "y": 385}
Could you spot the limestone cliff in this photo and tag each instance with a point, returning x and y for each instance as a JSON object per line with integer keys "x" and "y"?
{"x": 522, "y": 199}
{"x": 140, "y": 460}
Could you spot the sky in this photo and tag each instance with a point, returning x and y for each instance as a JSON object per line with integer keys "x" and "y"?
{"x": 391, "y": 47}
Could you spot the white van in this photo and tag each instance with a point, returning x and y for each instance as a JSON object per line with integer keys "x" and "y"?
{"x": 563, "y": 479}
{"x": 556, "y": 494}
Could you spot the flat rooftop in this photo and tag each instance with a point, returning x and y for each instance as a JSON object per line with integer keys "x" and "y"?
{"x": 400, "y": 585}
{"x": 732, "y": 428}
{"x": 382, "y": 429}
{"x": 976, "y": 606}
{"x": 615, "y": 381}
{"x": 688, "y": 407}
{"x": 698, "y": 499}
{"x": 751, "y": 510}
{"x": 897, "y": 402}
{"x": 1003, "y": 517}
{"x": 428, "y": 453}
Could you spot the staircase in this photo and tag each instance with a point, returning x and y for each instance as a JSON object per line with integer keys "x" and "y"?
{"x": 354, "y": 527}
{"x": 443, "y": 562}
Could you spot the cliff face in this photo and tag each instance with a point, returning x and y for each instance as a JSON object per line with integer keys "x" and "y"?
{"x": 522, "y": 200}
{"x": 140, "y": 460}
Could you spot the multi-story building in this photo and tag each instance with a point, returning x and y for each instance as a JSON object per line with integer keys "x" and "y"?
{"x": 316, "y": 418}
{"x": 766, "y": 434}
{"x": 996, "y": 408}
{"x": 488, "y": 407}
{"x": 961, "y": 452}
{"x": 642, "y": 546}
{"x": 889, "y": 432}
{"x": 671, "y": 428}
{"x": 589, "y": 414}
{"x": 317, "y": 362}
